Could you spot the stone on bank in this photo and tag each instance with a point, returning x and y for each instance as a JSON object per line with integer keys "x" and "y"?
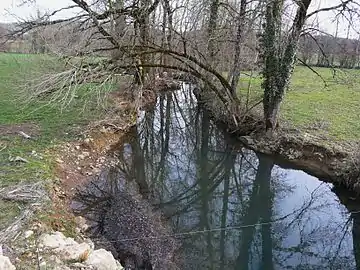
{"x": 5, "y": 263}
{"x": 66, "y": 253}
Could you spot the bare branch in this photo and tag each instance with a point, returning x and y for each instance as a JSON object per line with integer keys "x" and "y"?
{"x": 343, "y": 5}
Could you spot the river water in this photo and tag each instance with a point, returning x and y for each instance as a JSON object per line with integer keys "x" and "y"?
{"x": 184, "y": 195}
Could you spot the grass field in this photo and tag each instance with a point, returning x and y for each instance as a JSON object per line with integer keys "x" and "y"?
{"x": 47, "y": 125}
{"x": 309, "y": 105}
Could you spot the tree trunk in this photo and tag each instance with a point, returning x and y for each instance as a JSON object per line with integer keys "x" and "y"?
{"x": 168, "y": 11}
{"x": 117, "y": 25}
{"x": 235, "y": 73}
{"x": 271, "y": 109}
{"x": 278, "y": 62}
{"x": 166, "y": 30}
{"x": 213, "y": 21}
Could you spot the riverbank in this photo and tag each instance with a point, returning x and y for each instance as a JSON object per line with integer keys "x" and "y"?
{"x": 44, "y": 149}
{"x": 330, "y": 160}
{"x": 54, "y": 250}
{"x": 325, "y": 105}
{"x": 48, "y": 152}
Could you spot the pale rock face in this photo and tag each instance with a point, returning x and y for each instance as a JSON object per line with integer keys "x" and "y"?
{"x": 28, "y": 234}
{"x": 42, "y": 266}
{"x": 56, "y": 240}
{"x": 81, "y": 222}
{"x": 102, "y": 260}
{"x": 75, "y": 252}
{"x": 5, "y": 263}
{"x": 67, "y": 251}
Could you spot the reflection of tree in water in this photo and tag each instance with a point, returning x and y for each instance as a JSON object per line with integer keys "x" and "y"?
{"x": 121, "y": 221}
{"x": 352, "y": 203}
{"x": 187, "y": 168}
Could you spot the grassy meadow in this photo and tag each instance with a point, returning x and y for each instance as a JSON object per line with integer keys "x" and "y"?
{"x": 331, "y": 109}
{"x": 47, "y": 124}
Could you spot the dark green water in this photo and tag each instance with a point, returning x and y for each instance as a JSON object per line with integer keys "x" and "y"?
{"x": 185, "y": 196}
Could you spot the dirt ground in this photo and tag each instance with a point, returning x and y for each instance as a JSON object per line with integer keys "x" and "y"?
{"x": 15, "y": 129}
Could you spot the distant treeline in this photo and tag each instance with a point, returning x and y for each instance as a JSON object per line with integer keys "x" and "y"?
{"x": 328, "y": 51}
{"x": 320, "y": 50}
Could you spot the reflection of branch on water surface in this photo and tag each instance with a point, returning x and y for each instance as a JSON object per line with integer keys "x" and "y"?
{"x": 352, "y": 204}
{"x": 225, "y": 205}
{"x": 120, "y": 213}
{"x": 307, "y": 205}
{"x": 320, "y": 242}
{"x": 281, "y": 219}
{"x": 213, "y": 181}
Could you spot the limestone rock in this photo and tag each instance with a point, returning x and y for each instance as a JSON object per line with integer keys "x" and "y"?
{"x": 42, "y": 266}
{"x": 28, "y": 234}
{"x": 102, "y": 260}
{"x": 5, "y": 263}
{"x": 77, "y": 252}
{"x": 68, "y": 254}
{"x": 56, "y": 240}
{"x": 81, "y": 222}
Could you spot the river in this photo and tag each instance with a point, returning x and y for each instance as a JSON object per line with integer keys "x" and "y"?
{"x": 185, "y": 195}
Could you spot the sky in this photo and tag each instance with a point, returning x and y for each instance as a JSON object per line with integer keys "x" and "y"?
{"x": 9, "y": 10}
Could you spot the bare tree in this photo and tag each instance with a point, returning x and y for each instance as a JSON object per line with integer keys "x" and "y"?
{"x": 142, "y": 37}
{"x": 235, "y": 72}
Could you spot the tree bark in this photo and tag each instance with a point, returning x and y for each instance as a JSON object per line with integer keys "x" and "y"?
{"x": 235, "y": 73}
{"x": 278, "y": 62}
{"x": 213, "y": 25}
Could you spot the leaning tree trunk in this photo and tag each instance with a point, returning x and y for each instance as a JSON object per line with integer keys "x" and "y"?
{"x": 279, "y": 63}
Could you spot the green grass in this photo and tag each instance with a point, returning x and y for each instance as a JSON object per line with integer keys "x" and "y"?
{"x": 309, "y": 105}
{"x": 54, "y": 126}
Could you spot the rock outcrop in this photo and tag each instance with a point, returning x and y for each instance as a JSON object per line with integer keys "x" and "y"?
{"x": 5, "y": 263}
{"x": 61, "y": 252}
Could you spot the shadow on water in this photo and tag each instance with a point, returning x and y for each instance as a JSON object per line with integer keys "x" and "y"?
{"x": 183, "y": 196}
